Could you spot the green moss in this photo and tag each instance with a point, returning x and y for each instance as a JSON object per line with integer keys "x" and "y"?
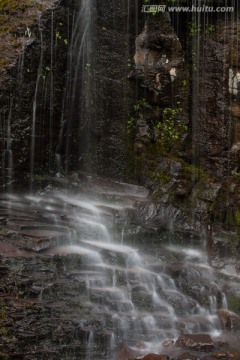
{"x": 193, "y": 173}
{"x": 13, "y": 5}
{"x": 234, "y": 220}
{"x": 161, "y": 178}
{"x": 39, "y": 181}
{"x": 234, "y": 304}
{"x": 15, "y": 17}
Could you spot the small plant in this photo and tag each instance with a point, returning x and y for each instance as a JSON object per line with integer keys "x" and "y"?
{"x": 193, "y": 28}
{"x": 170, "y": 128}
{"x": 131, "y": 122}
{"x": 88, "y": 68}
{"x": 210, "y": 28}
{"x": 129, "y": 63}
{"x": 141, "y": 104}
{"x": 39, "y": 180}
{"x": 58, "y": 36}
{"x": 138, "y": 109}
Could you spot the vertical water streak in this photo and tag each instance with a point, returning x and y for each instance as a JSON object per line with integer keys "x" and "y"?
{"x": 35, "y": 103}
{"x": 90, "y": 345}
{"x": 8, "y": 164}
{"x": 8, "y": 156}
{"x": 78, "y": 104}
{"x": 122, "y": 237}
{"x": 224, "y": 301}
{"x": 51, "y": 91}
{"x": 195, "y": 33}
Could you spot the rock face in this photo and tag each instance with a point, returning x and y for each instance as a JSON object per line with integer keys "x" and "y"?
{"x": 211, "y": 117}
{"x": 196, "y": 342}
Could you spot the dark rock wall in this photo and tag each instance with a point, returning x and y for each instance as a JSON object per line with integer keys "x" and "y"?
{"x": 99, "y": 129}
{"x": 35, "y": 86}
{"x": 212, "y": 124}
{"x": 117, "y": 25}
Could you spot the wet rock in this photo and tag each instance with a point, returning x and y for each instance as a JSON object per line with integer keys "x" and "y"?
{"x": 195, "y": 342}
{"x": 143, "y": 134}
{"x": 188, "y": 356}
{"x": 168, "y": 343}
{"x": 220, "y": 355}
{"x": 159, "y": 216}
{"x": 3, "y": 269}
{"x": 183, "y": 188}
{"x": 180, "y": 302}
{"x": 141, "y": 298}
{"x": 229, "y": 320}
{"x": 125, "y": 353}
{"x": 155, "y": 357}
{"x": 3, "y": 220}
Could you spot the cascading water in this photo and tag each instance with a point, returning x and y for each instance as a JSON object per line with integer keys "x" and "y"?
{"x": 130, "y": 293}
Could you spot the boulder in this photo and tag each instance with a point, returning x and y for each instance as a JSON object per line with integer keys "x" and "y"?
{"x": 229, "y": 320}
{"x": 195, "y": 342}
{"x": 125, "y": 353}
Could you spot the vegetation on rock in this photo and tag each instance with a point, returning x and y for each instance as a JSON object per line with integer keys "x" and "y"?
{"x": 16, "y": 22}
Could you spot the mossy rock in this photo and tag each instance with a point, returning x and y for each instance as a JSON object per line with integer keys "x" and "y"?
{"x": 15, "y": 18}
{"x": 234, "y": 303}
